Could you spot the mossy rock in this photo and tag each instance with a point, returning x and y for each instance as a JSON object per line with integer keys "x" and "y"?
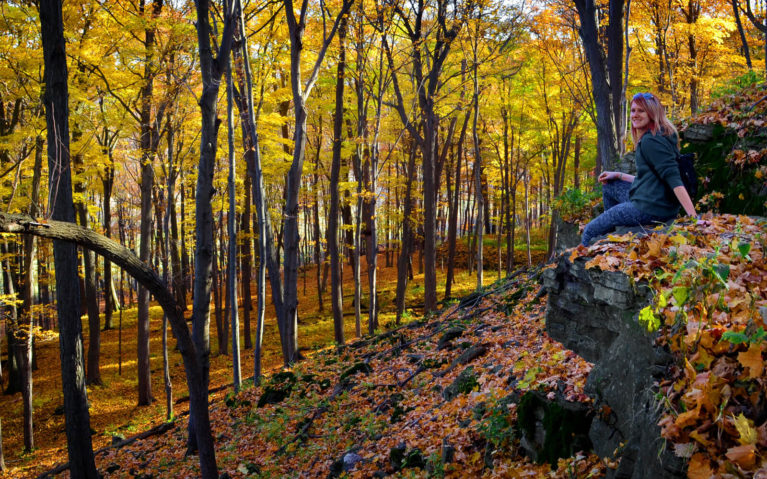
{"x": 359, "y": 367}
{"x": 448, "y": 336}
{"x": 463, "y": 384}
{"x": 280, "y": 386}
{"x": 551, "y": 430}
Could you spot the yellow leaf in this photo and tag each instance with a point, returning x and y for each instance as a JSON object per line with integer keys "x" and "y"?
{"x": 701, "y": 438}
{"x": 678, "y": 240}
{"x": 752, "y": 359}
{"x": 745, "y": 429}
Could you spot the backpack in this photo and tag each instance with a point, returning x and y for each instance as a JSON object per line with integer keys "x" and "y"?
{"x": 687, "y": 171}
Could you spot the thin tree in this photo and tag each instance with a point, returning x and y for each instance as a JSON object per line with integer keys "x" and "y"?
{"x": 288, "y": 322}
{"x": 232, "y": 234}
{"x": 212, "y": 69}
{"x": 427, "y": 69}
{"x": 336, "y": 285}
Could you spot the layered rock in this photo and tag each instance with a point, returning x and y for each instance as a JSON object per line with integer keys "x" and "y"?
{"x": 594, "y": 313}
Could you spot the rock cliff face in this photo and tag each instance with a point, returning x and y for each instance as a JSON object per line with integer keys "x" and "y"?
{"x": 594, "y": 313}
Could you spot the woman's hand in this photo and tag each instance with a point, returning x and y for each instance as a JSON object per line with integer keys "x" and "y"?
{"x": 608, "y": 176}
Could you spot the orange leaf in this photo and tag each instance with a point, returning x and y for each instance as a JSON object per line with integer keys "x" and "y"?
{"x": 744, "y": 456}
{"x": 655, "y": 244}
{"x": 699, "y": 467}
{"x": 752, "y": 359}
{"x": 687, "y": 418}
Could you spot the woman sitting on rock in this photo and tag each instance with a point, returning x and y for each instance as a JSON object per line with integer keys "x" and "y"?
{"x": 642, "y": 200}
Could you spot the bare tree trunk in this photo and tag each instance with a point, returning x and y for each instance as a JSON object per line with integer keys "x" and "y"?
{"x": 246, "y": 262}
{"x": 267, "y": 255}
{"x": 212, "y": 70}
{"x": 148, "y": 148}
{"x": 478, "y": 178}
{"x": 407, "y": 237}
{"x": 336, "y": 286}
{"x": 743, "y": 41}
{"x": 606, "y": 75}
{"x": 108, "y": 183}
{"x": 216, "y": 290}
{"x": 93, "y": 374}
{"x": 24, "y": 344}
{"x": 318, "y": 260}
{"x": 56, "y": 99}
{"x": 232, "y": 234}
{"x": 2, "y": 457}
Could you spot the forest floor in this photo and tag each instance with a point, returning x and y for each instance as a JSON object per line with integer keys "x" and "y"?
{"x": 113, "y": 407}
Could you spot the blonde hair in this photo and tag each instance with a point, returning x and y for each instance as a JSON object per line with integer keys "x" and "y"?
{"x": 656, "y": 113}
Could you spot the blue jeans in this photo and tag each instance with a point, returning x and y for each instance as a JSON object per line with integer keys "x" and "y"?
{"x": 618, "y": 212}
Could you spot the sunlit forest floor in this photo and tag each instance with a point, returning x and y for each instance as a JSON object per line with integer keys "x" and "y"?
{"x": 113, "y": 406}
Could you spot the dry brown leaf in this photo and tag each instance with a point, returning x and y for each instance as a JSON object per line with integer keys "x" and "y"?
{"x": 744, "y": 456}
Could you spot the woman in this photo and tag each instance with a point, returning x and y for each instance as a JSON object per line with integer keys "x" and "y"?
{"x": 640, "y": 200}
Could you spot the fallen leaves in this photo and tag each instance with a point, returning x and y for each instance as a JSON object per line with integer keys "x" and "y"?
{"x": 710, "y": 284}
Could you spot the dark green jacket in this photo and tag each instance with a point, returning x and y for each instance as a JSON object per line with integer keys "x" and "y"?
{"x": 648, "y": 193}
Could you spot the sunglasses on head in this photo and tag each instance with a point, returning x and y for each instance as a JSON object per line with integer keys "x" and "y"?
{"x": 646, "y": 96}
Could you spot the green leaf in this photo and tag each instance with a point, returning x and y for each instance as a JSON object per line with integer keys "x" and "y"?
{"x": 722, "y": 272}
{"x": 647, "y": 318}
{"x": 744, "y": 249}
{"x": 734, "y": 338}
{"x": 680, "y": 293}
{"x": 758, "y": 336}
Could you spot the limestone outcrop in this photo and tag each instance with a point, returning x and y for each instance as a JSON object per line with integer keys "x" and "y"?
{"x": 594, "y": 313}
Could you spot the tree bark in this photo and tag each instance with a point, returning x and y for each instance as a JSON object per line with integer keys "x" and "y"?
{"x": 606, "y": 71}
{"x": 212, "y": 69}
{"x": 246, "y": 262}
{"x": 232, "y": 235}
{"x": 56, "y": 97}
{"x": 407, "y": 237}
{"x": 336, "y": 286}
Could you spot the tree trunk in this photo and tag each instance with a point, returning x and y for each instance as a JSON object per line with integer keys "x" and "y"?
{"x": 407, "y": 237}
{"x": 743, "y": 41}
{"x": 148, "y": 148}
{"x": 221, "y": 333}
{"x": 336, "y": 286}
{"x": 25, "y": 344}
{"x": 246, "y": 259}
{"x": 316, "y": 234}
{"x": 212, "y": 70}
{"x": 267, "y": 255}
{"x": 606, "y": 71}
{"x": 56, "y": 99}
{"x": 478, "y": 178}
{"x": 108, "y": 183}
{"x": 232, "y": 235}
{"x": 2, "y": 457}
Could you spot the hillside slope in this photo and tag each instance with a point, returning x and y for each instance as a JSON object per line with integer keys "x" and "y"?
{"x": 438, "y": 397}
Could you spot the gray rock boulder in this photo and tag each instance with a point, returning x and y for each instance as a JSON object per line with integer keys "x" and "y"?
{"x": 594, "y": 313}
